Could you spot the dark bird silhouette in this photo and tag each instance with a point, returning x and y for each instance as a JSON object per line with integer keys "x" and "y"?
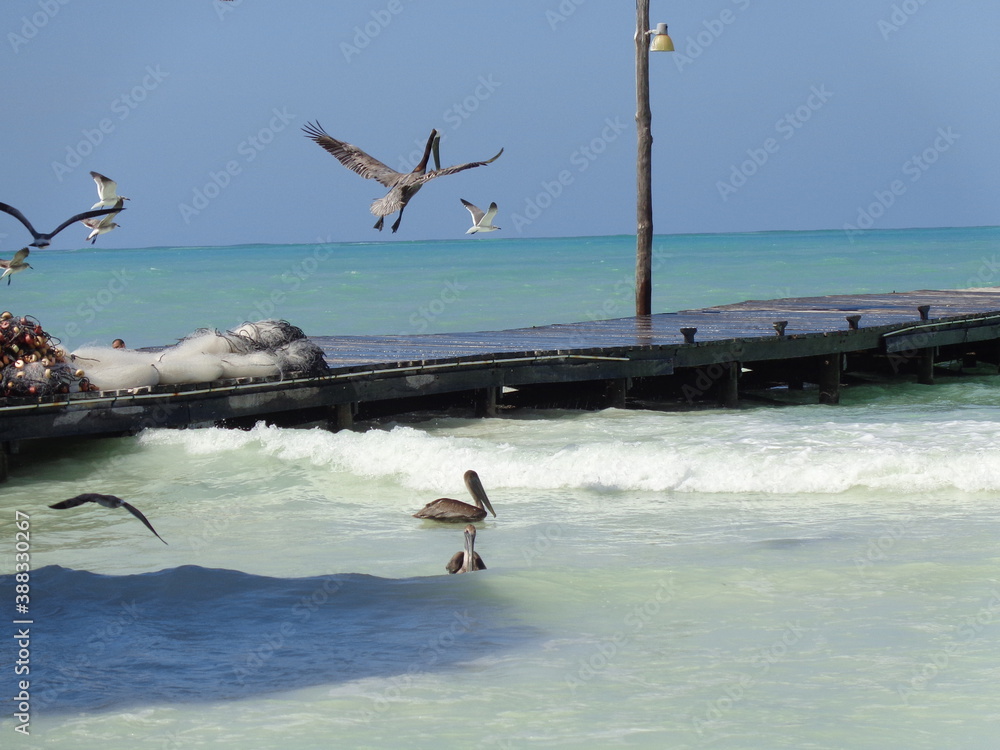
{"x": 467, "y": 560}
{"x": 108, "y": 501}
{"x": 15, "y": 265}
{"x": 402, "y": 186}
{"x": 447, "y": 509}
{"x": 42, "y": 240}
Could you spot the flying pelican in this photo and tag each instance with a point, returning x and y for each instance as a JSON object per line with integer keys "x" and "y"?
{"x": 44, "y": 240}
{"x": 467, "y": 560}
{"x": 402, "y": 187}
{"x": 108, "y": 501}
{"x": 446, "y": 509}
{"x": 104, "y": 224}
{"x": 15, "y": 265}
{"x": 481, "y": 222}
{"x": 107, "y": 191}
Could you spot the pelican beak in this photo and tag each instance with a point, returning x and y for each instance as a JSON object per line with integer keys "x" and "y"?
{"x": 476, "y": 487}
{"x": 436, "y": 148}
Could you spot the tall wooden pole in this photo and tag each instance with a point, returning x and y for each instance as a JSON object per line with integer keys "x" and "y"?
{"x": 643, "y": 165}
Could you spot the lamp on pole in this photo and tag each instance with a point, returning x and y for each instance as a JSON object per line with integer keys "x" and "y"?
{"x": 660, "y": 42}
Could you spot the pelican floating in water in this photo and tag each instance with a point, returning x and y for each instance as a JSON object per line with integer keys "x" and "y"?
{"x": 108, "y": 501}
{"x": 15, "y": 265}
{"x": 107, "y": 191}
{"x": 481, "y": 222}
{"x": 467, "y": 560}
{"x": 105, "y": 224}
{"x": 44, "y": 240}
{"x": 402, "y": 187}
{"x": 447, "y": 509}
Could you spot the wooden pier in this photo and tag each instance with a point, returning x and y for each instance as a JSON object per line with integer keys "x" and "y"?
{"x": 709, "y": 355}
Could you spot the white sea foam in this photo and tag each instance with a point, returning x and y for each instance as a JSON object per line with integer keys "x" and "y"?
{"x": 769, "y": 451}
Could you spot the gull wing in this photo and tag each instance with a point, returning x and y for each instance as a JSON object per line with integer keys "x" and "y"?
{"x": 491, "y": 213}
{"x": 455, "y": 563}
{"x": 20, "y": 217}
{"x": 352, "y": 157}
{"x": 73, "y": 501}
{"x": 477, "y": 213}
{"x": 84, "y": 215}
{"x": 107, "y": 189}
{"x": 457, "y": 168}
{"x": 135, "y": 512}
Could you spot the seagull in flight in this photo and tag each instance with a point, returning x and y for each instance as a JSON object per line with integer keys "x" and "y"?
{"x": 105, "y": 223}
{"x": 108, "y": 501}
{"x": 15, "y": 265}
{"x": 43, "y": 240}
{"x": 107, "y": 191}
{"x": 481, "y": 222}
{"x": 402, "y": 186}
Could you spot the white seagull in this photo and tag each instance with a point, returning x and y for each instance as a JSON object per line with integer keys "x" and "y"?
{"x": 481, "y": 222}
{"x": 16, "y": 265}
{"x": 105, "y": 224}
{"x": 44, "y": 240}
{"x": 107, "y": 191}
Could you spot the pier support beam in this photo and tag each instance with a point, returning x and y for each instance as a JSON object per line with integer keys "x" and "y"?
{"x": 7, "y": 449}
{"x": 729, "y": 392}
{"x": 617, "y": 390}
{"x": 485, "y": 402}
{"x": 925, "y": 366}
{"x": 829, "y": 379}
{"x": 343, "y": 417}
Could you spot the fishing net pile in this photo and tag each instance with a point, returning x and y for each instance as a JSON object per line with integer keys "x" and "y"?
{"x": 267, "y": 348}
{"x": 31, "y": 362}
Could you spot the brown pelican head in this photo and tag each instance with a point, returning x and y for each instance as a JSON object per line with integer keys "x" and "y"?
{"x": 468, "y": 560}
{"x": 436, "y": 148}
{"x": 432, "y": 144}
{"x": 475, "y": 487}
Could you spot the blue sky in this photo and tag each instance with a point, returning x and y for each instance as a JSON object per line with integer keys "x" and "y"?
{"x": 770, "y": 116}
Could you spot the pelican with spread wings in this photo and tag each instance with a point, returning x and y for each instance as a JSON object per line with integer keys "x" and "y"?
{"x": 402, "y": 186}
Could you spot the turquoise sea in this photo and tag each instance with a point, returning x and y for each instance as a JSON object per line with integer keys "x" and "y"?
{"x": 802, "y": 576}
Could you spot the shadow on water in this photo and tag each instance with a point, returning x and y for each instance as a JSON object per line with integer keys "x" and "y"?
{"x": 193, "y": 633}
